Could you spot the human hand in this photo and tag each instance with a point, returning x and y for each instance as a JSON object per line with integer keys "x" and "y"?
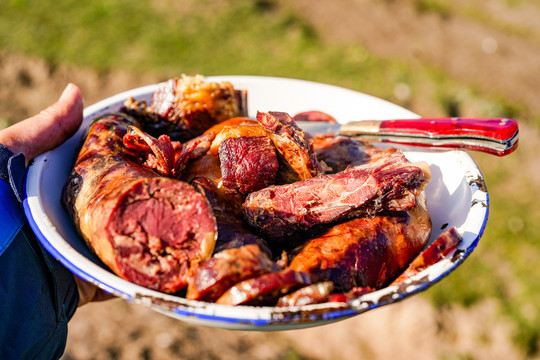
{"x": 43, "y": 132}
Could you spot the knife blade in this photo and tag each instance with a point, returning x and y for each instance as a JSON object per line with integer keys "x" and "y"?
{"x": 498, "y": 136}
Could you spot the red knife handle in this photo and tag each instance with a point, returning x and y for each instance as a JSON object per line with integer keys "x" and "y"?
{"x": 497, "y": 129}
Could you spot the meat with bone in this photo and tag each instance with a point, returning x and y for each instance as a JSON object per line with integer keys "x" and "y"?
{"x": 185, "y": 107}
{"x": 248, "y": 163}
{"x": 148, "y": 229}
{"x": 296, "y": 158}
{"x": 227, "y": 268}
{"x": 367, "y": 251}
{"x": 286, "y": 213}
{"x": 265, "y": 289}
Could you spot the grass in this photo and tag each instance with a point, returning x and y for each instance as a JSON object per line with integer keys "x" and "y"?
{"x": 259, "y": 38}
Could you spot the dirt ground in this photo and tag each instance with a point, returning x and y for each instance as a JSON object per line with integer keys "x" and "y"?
{"x": 409, "y": 329}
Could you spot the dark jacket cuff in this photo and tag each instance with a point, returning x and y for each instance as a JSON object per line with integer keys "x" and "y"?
{"x": 12, "y": 170}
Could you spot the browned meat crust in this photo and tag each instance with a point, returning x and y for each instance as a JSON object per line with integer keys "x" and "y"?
{"x": 296, "y": 158}
{"x": 185, "y": 107}
{"x": 311, "y": 294}
{"x": 227, "y": 268}
{"x": 287, "y": 212}
{"x": 366, "y": 252}
{"x": 148, "y": 229}
{"x": 265, "y": 289}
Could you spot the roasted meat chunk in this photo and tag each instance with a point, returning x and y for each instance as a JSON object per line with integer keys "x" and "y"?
{"x": 227, "y": 268}
{"x": 297, "y": 161}
{"x": 286, "y": 213}
{"x": 185, "y": 107}
{"x": 265, "y": 289}
{"x": 340, "y": 152}
{"x": 445, "y": 243}
{"x": 157, "y": 154}
{"x": 233, "y": 128}
{"x": 146, "y": 228}
{"x": 233, "y": 232}
{"x": 248, "y": 163}
{"x": 367, "y": 251}
{"x": 311, "y": 294}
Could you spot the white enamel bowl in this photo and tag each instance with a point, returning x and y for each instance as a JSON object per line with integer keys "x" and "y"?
{"x": 456, "y": 197}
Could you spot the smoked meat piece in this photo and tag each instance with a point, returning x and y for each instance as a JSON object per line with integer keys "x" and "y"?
{"x": 286, "y": 212}
{"x": 227, "y": 268}
{"x": 248, "y": 163}
{"x": 148, "y": 229}
{"x": 340, "y": 152}
{"x": 297, "y": 161}
{"x": 311, "y": 294}
{"x": 265, "y": 289}
{"x": 366, "y": 252}
{"x": 233, "y": 232}
{"x": 185, "y": 107}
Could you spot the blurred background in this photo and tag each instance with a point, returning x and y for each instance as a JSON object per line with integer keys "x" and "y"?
{"x": 437, "y": 58}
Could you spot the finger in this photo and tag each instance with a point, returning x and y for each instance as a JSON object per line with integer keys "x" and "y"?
{"x": 90, "y": 293}
{"x": 48, "y": 129}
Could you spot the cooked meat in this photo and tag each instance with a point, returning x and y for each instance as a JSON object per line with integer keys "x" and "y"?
{"x": 350, "y": 295}
{"x": 233, "y": 232}
{"x": 233, "y": 128}
{"x": 208, "y": 165}
{"x": 284, "y": 214}
{"x": 296, "y": 158}
{"x": 441, "y": 247}
{"x": 156, "y": 154}
{"x": 248, "y": 163}
{"x": 368, "y": 251}
{"x": 265, "y": 289}
{"x": 314, "y": 115}
{"x": 184, "y": 108}
{"x": 311, "y": 294}
{"x": 227, "y": 268}
{"x": 188, "y": 192}
{"x": 339, "y": 152}
{"x": 148, "y": 229}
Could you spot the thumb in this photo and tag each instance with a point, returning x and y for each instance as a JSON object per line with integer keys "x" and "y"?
{"x": 48, "y": 129}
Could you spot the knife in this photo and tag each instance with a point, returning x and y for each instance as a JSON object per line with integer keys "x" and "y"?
{"x": 493, "y": 136}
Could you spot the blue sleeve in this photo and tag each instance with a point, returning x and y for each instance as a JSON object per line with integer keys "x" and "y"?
{"x": 38, "y": 295}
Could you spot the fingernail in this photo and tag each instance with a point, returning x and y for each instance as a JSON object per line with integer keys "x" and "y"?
{"x": 67, "y": 91}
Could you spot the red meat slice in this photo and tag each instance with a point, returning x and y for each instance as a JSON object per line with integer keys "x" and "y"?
{"x": 265, "y": 289}
{"x": 227, "y": 268}
{"x": 248, "y": 163}
{"x": 282, "y": 213}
